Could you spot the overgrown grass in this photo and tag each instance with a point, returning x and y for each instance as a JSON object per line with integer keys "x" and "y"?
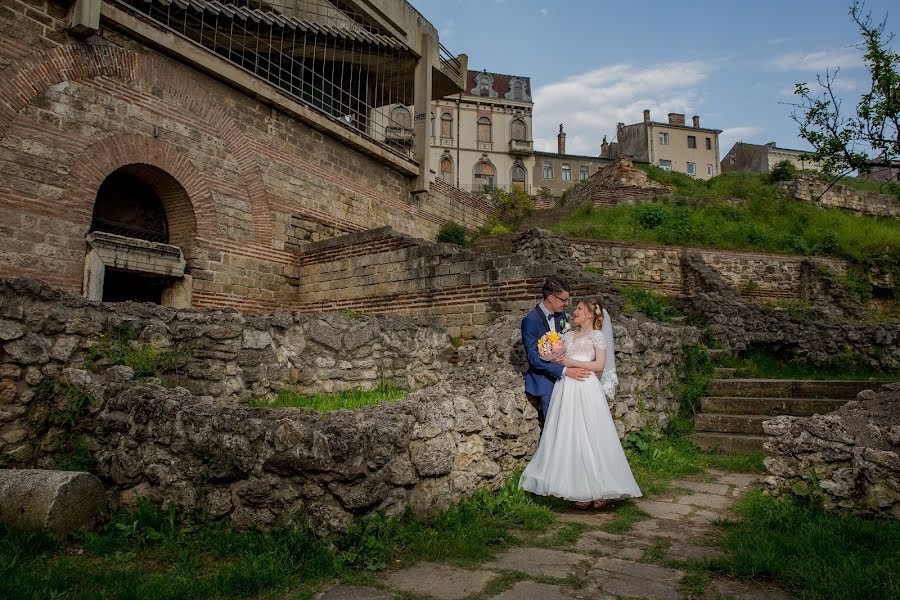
{"x": 763, "y": 365}
{"x": 157, "y": 553}
{"x": 146, "y": 361}
{"x": 813, "y": 553}
{"x": 349, "y": 399}
{"x": 656, "y": 306}
{"x": 764, "y": 220}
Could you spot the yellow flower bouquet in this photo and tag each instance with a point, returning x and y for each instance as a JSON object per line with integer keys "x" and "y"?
{"x": 550, "y": 346}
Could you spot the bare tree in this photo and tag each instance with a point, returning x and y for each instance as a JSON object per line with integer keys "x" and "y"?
{"x": 842, "y": 142}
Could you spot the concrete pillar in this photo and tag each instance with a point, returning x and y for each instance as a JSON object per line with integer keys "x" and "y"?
{"x": 561, "y": 140}
{"x": 61, "y": 501}
{"x": 94, "y": 274}
{"x": 422, "y": 110}
{"x": 84, "y": 18}
{"x": 178, "y": 293}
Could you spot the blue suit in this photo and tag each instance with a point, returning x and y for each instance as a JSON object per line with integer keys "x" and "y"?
{"x": 541, "y": 375}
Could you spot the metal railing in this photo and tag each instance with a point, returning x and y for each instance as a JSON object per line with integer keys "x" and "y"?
{"x": 486, "y": 189}
{"x": 449, "y": 60}
{"x": 312, "y": 51}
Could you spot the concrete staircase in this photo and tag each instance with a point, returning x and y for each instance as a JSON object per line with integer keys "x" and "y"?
{"x": 731, "y": 417}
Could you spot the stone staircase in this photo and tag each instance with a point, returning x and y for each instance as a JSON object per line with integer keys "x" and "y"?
{"x": 731, "y": 417}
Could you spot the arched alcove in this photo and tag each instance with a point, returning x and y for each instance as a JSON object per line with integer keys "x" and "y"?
{"x": 141, "y": 224}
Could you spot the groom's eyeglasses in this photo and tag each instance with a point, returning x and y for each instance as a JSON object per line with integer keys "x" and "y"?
{"x": 561, "y": 299}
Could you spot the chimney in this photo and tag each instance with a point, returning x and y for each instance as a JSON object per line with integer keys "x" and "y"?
{"x": 604, "y": 148}
{"x": 646, "y": 115}
{"x": 676, "y": 118}
{"x": 696, "y": 120}
{"x": 561, "y": 141}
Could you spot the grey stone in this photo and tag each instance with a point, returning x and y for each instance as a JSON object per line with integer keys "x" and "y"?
{"x": 10, "y": 330}
{"x": 530, "y": 590}
{"x": 433, "y": 457}
{"x": 537, "y": 561}
{"x": 440, "y": 581}
{"x": 705, "y": 500}
{"x": 256, "y": 339}
{"x": 722, "y": 489}
{"x": 686, "y": 552}
{"x": 628, "y": 579}
{"x": 663, "y": 510}
{"x": 27, "y": 350}
{"x": 61, "y": 501}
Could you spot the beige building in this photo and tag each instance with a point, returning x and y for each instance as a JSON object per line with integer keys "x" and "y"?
{"x": 558, "y": 171}
{"x": 483, "y": 136}
{"x": 672, "y": 146}
{"x": 760, "y": 158}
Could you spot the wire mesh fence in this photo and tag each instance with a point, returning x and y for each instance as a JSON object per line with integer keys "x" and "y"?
{"x": 316, "y": 52}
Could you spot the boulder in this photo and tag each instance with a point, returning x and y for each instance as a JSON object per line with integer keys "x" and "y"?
{"x": 61, "y": 501}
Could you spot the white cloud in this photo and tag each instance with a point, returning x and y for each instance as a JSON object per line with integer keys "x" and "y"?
{"x": 590, "y": 104}
{"x": 544, "y": 12}
{"x": 833, "y": 58}
{"x": 736, "y": 134}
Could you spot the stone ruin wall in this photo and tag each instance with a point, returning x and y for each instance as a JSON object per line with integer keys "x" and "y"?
{"x": 810, "y": 189}
{"x": 854, "y": 453}
{"x": 759, "y": 277}
{"x": 246, "y": 186}
{"x": 195, "y": 444}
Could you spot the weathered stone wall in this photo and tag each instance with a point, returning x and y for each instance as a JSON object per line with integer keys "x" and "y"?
{"x": 810, "y": 189}
{"x": 655, "y": 267}
{"x": 819, "y": 339}
{"x": 226, "y": 356}
{"x": 244, "y": 185}
{"x": 853, "y": 451}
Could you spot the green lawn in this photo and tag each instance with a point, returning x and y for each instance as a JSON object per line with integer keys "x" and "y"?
{"x": 764, "y": 221}
{"x": 349, "y": 399}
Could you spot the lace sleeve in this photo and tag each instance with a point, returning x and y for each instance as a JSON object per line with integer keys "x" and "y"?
{"x": 598, "y": 340}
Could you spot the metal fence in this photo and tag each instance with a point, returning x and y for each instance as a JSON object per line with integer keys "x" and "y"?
{"x": 316, "y": 52}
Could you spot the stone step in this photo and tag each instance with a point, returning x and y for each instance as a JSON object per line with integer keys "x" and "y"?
{"x": 725, "y": 372}
{"x": 800, "y": 407}
{"x": 720, "y": 423}
{"x": 729, "y": 442}
{"x": 717, "y": 353}
{"x": 789, "y": 388}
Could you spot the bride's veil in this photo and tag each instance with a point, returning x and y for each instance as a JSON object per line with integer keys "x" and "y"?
{"x": 609, "y": 379}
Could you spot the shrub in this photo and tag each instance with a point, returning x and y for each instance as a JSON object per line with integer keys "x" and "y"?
{"x": 782, "y": 171}
{"x": 453, "y": 233}
{"x": 651, "y": 216}
{"x": 514, "y": 205}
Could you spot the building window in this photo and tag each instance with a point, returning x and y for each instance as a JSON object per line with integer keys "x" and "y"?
{"x": 664, "y": 139}
{"x": 446, "y": 125}
{"x": 691, "y": 168}
{"x": 692, "y": 141}
{"x": 518, "y": 177}
{"x": 401, "y": 117}
{"x": 484, "y": 130}
{"x": 566, "y": 172}
{"x": 708, "y": 144}
{"x": 518, "y": 130}
{"x": 484, "y": 175}
{"x": 518, "y": 90}
{"x": 548, "y": 170}
{"x": 583, "y": 172}
{"x": 665, "y": 165}
{"x": 447, "y": 170}
{"x": 709, "y": 171}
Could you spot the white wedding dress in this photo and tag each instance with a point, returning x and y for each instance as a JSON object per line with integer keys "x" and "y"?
{"x": 579, "y": 456}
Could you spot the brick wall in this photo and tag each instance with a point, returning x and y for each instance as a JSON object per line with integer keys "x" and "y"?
{"x": 810, "y": 189}
{"x": 252, "y": 186}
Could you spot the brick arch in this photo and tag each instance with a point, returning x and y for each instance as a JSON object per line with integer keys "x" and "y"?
{"x": 181, "y": 187}
{"x": 33, "y": 75}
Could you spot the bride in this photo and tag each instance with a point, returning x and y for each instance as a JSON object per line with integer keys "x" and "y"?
{"x": 579, "y": 457}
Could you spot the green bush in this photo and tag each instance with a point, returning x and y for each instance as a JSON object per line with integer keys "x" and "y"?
{"x": 656, "y": 306}
{"x": 782, "y": 171}
{"x": 514, "y": 205}
{"x": 650, "y": 216}
{"x": 454, "y": 233}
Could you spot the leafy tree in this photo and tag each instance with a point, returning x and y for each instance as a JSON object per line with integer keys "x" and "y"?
{"x": 782, "y": 171}
{"x": 843, "y": 142}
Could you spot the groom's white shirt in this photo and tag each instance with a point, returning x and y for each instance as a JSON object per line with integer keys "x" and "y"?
{"x": 548, "y": 316}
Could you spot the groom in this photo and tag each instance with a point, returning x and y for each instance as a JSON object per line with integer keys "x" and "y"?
{"x": 546, "y": 316}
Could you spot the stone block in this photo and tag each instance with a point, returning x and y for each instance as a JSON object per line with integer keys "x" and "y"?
{"x": 61, "y": 501}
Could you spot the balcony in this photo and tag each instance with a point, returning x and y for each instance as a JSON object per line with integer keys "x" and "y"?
{"x": 448, "y": 74}
{"x": 521, "y": 147}
{"x": 401, "y": 136}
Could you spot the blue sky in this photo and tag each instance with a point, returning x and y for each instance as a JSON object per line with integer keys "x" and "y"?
{"x": 594, "y": 63}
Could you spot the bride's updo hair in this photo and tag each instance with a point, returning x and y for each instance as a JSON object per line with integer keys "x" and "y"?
{"x": 596, "y": 308}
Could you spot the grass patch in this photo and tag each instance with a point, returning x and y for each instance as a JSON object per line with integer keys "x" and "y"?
{"x": 159, "y": 553}
{"x": 626, "y": 514}
{"x": 764, "y": 221}
{"x": 656, "y": 306}
{"x": 814, "y": 553}
{"x": 760, "y": 364}
{"x": 694, "y": 584}
{"x": 349, "y": 399}
{"x": 144, "y": 359}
